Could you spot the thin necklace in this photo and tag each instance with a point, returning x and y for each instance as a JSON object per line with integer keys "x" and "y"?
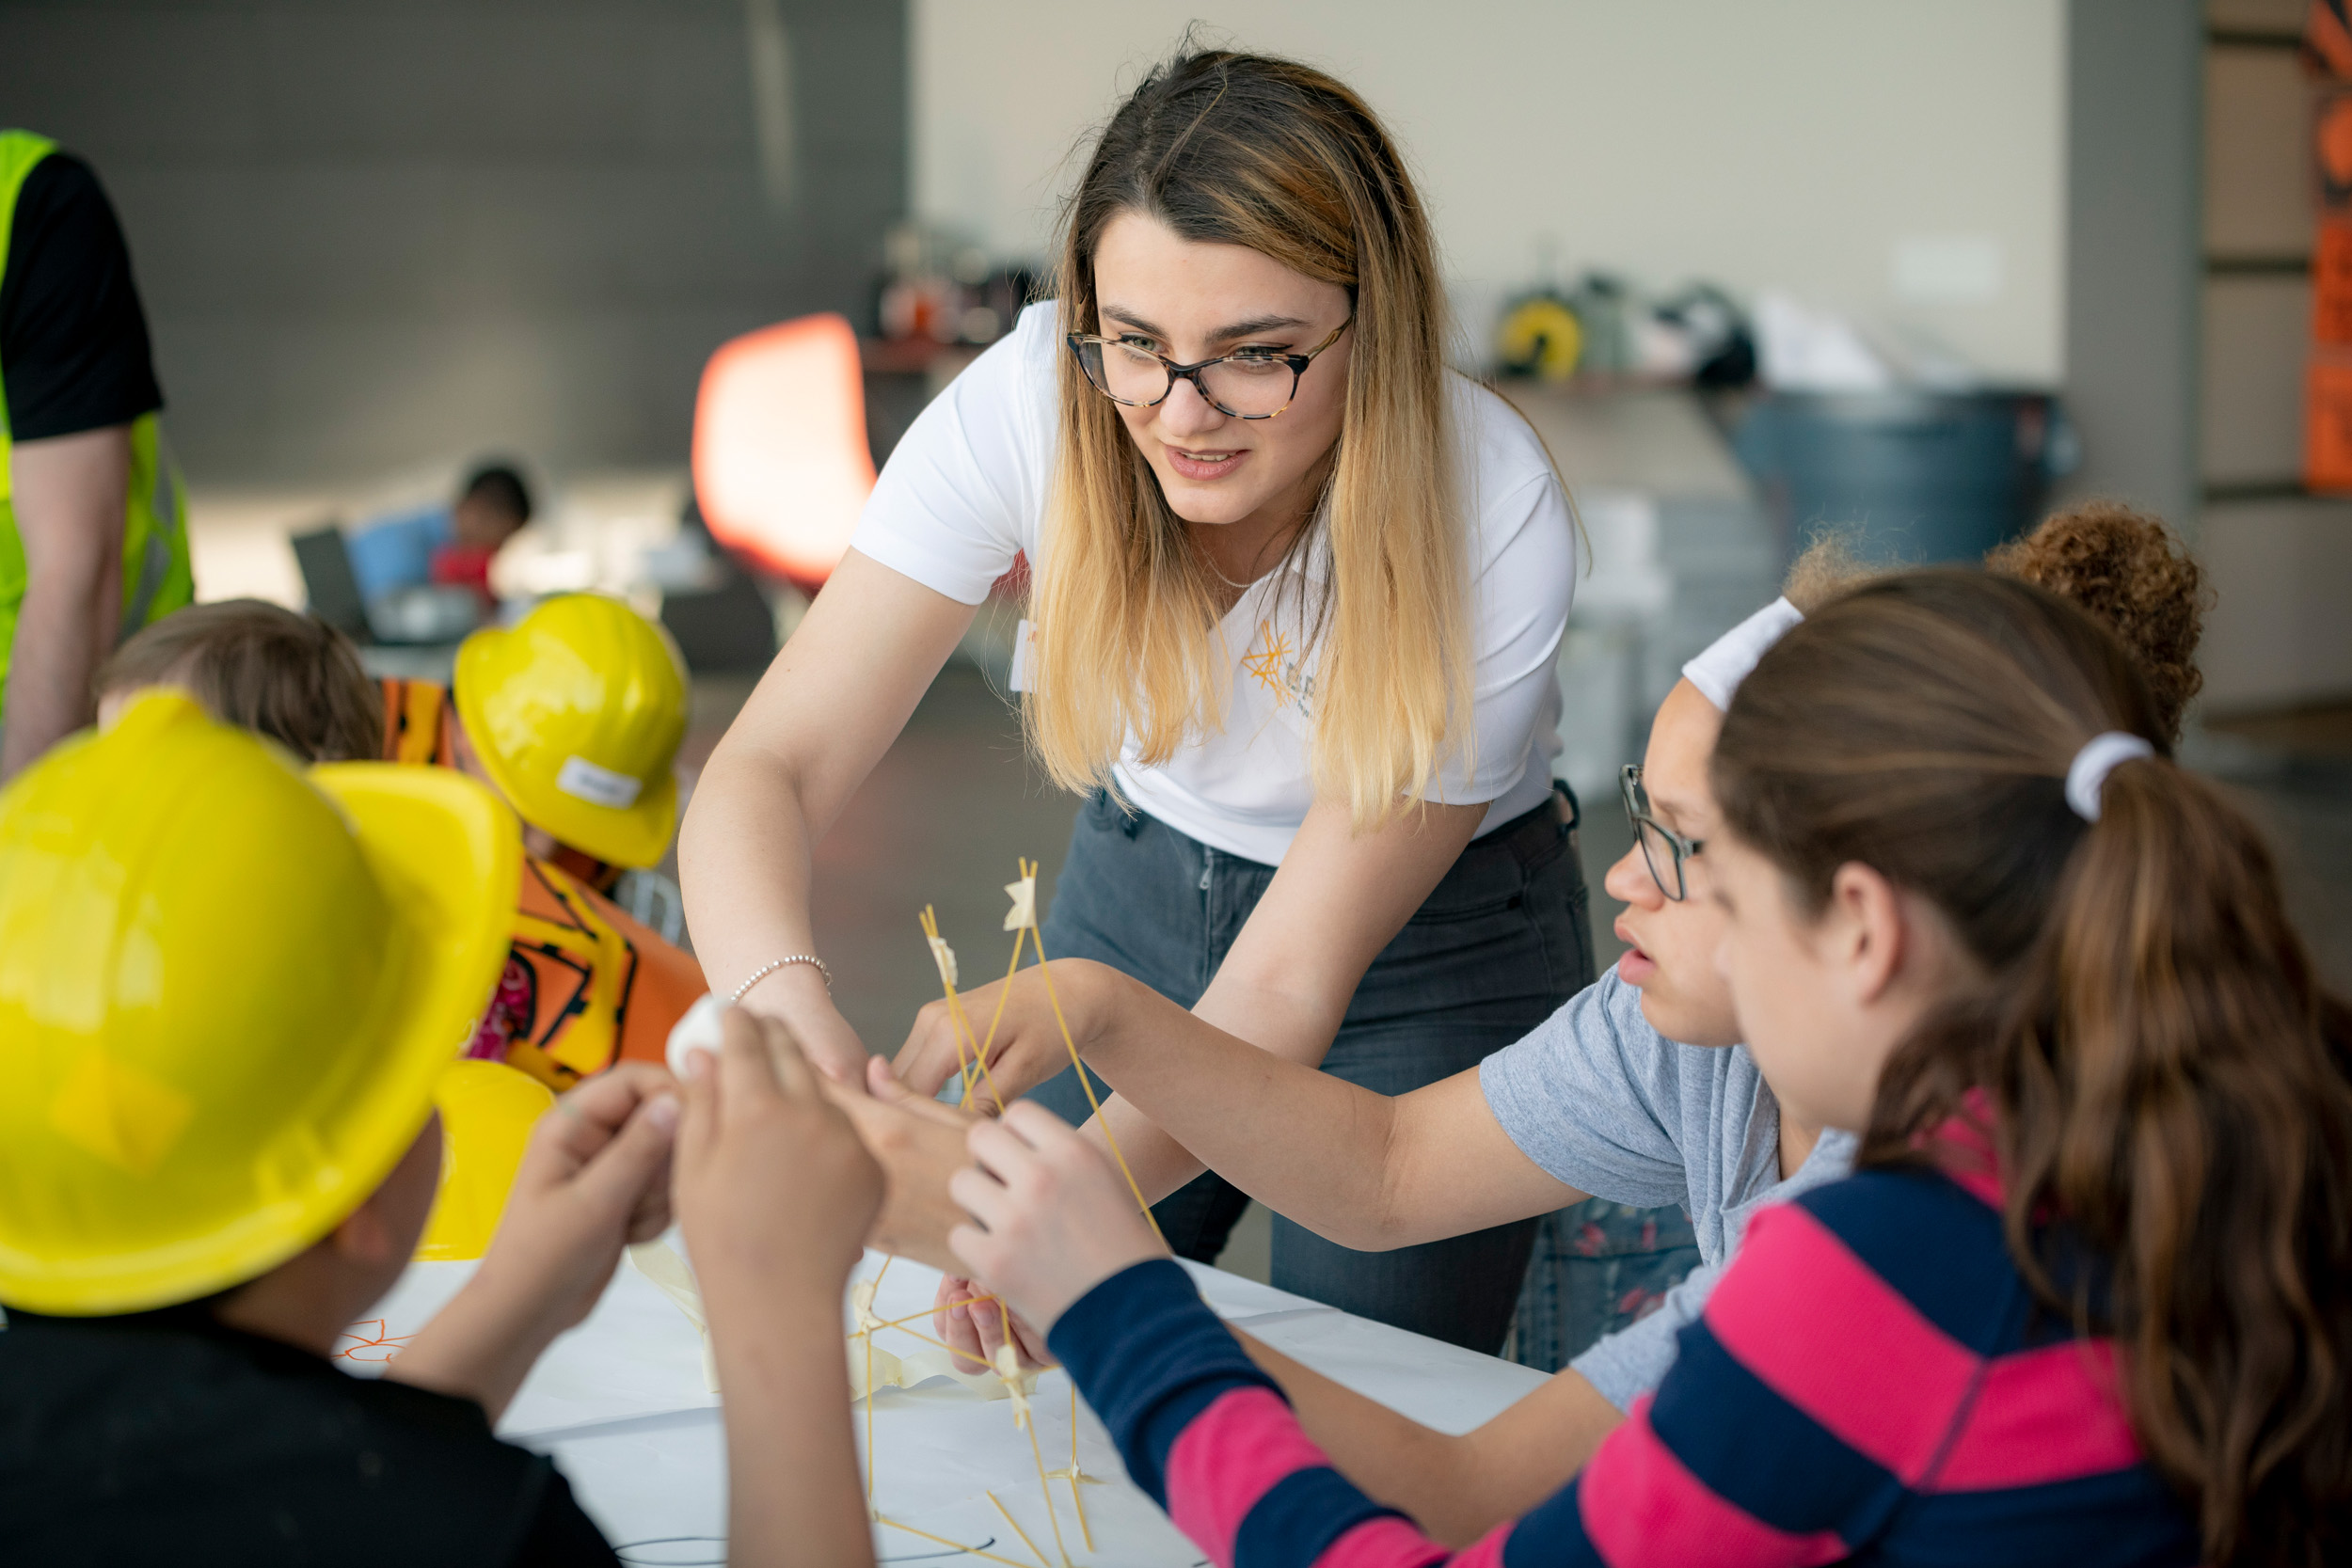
{"x": 1243, "y": 587}
{"x": 1236, "y": 587}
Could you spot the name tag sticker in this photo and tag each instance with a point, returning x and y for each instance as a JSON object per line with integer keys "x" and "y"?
{"x": 586, "y": 781}
{"x": 1024, "y": 676}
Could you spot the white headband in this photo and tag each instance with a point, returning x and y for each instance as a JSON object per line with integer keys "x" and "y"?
{"x": 1718, "y": 672}
{"x": 2102, "y": 755}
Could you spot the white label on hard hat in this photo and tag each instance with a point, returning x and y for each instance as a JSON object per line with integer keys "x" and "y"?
{"x": 583, "y": 779}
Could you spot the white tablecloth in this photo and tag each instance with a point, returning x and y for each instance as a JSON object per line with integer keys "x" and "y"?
{"x": 623, "y": 1407}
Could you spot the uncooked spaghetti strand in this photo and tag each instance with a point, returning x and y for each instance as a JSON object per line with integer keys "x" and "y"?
{"x": 1003, "y": 996}
{"x": 1077, "y": 1491}
{"x": 917, "y": 1317}
{"x": 958, "y": 1024}
{"x": 1086, "y": 1084}
{"x": 870, "y": 1457}
{"x": 1044, "y": 1487}
{"x": 943, "y": 1345}
{"x": 1017, "y": 1530}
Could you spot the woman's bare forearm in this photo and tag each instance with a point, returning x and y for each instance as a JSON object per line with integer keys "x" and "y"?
{"x": 822, "y": 715}
{"x": 744, "y": 864}
{"x": 837, "y": 696}
{"x": 1455, "y": 1488}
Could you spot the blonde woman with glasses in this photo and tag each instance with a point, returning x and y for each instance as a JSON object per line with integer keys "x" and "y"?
{"x": 1298, "y": 591}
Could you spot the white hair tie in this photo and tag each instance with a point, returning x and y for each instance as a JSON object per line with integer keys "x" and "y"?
{"x": 2102, "y": 755}
{"x": 1718, "y": 672}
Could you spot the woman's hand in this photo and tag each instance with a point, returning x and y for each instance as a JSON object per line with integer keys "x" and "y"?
{"x": 795, "y": 996}
{"x": 594, "y": 1178}
{"x": 773, "y": 1186}
{"x": 973, "y": 1327}
{"x": 1026, "y": 1046}
{"x": 1050, "y": 1218}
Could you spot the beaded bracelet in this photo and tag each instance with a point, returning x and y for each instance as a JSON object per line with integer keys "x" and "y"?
{"x": 767, "y": 969}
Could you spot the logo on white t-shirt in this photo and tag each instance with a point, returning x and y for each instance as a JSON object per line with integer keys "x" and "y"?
{"x": 1274, "y": 665}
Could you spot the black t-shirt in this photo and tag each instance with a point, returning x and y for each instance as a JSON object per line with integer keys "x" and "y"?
{"x": 73, "y": 350}
{"x": 166, "y": 1438}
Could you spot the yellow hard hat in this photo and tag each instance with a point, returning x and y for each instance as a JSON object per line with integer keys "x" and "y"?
{"x": 576, "y": 714}
{"x": 226, "y": 991}
{"x": 488, "y": 1112}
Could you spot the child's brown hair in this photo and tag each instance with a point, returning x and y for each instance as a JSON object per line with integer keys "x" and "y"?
{"x": 2126, "y": 568}
{"x": 2133, "y": 576}
{"x": 2163, "y": 1071}
{"x": 262, "y": 668}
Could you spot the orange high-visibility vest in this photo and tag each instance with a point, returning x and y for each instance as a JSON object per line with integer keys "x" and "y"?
{"x": 416, "y": 726}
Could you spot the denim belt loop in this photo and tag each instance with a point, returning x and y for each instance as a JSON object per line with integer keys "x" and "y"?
{"x": 1130, "y": 820}
{"x": 1573, "y": 812}
{"x": 1535, "y": 834}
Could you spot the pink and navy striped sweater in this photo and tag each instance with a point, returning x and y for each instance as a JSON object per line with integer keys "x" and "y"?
{"x": 1871, "y": 1381}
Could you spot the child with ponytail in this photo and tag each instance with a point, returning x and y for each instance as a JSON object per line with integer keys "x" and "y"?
{"x": 2088, "y": 1300}
{"x": 2139, "y": 1079}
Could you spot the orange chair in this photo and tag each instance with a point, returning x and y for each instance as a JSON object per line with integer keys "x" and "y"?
{"x": 781, "y": 465}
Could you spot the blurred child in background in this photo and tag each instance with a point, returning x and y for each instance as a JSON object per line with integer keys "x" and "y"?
{"x": 583, "y": 698}
{"x": 584, "y": 984}
{"x": 574, "y": 715}
{"x": 493, "y": 508}
{"x": 259, "y": 667}
{"x": 449, "y": 544}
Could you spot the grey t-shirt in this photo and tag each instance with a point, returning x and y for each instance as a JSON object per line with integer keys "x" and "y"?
{"x": 1609, "y": 1106}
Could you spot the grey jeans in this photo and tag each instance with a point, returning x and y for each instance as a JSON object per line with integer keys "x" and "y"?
{"x": 1504, "y": 940}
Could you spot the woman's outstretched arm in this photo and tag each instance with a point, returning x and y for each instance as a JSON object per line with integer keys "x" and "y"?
{"x": 827, "y": 709}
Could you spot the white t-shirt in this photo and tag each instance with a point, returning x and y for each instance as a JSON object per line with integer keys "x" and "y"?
{"x": 966, "y": 489}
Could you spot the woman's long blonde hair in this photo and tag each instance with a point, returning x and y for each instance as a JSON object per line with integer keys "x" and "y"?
{"x": 1245, "y": 149}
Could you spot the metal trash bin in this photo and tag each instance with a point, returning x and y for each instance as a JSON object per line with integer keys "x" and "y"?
{"x": 1912, "y": 477}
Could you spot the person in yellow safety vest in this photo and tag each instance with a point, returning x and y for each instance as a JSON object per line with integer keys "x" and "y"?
{"x": 574, "y": 715}
{"x": 93, "y": 544}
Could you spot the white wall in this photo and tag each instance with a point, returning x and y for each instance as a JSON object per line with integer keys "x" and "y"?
{"x": 1795, "y": 143}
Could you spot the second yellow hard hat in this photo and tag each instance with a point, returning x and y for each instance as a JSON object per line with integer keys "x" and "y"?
{"x": 576, "y": 713}
{"x": 488, "y": 1112}
{"x": 226, "y": 993}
